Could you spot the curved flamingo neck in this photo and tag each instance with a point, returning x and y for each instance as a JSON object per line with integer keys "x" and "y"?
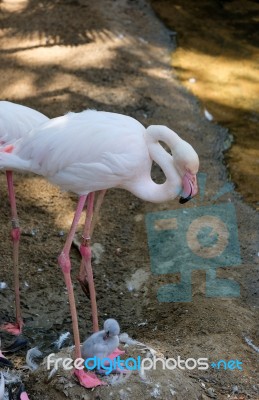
{"x": 145, "y": 187}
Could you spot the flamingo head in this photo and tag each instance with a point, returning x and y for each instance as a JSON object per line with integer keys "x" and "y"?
{"x": 190, "y": 187}
{"x": 187, "y": 163}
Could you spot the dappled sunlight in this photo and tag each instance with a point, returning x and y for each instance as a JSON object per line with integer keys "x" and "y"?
{"x": 19, "y": 88}
{"x": 50, "y": 199}
{"x": 14, "y": 6}
{"x": 59, "y": 71}
{"x": 74, "y": 58}
{"x": 218, "y": 79}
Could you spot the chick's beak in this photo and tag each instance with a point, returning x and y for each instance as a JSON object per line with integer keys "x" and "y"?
{"x": 190, "y": 187}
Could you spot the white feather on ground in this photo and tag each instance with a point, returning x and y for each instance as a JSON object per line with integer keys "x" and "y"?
{"x": 126, "y": 340}
{"x": 118, "y": 379}
{"x": 61, "y": 340}
{"x": 208, "y": 115}
{"x": 52, "y": 374}
{"x": 251, "y": 344}
{"x": 2, "y": 387}
{"x": 31, "y": 354}
{"x": 11, "y": 377}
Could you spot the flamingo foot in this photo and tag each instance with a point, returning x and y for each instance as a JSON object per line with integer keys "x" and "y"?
{"x": 22, "y": 395}
{"x": 116, "y": 353}
{"x": 14, "y": 329}
{"x": 87, "y": 379}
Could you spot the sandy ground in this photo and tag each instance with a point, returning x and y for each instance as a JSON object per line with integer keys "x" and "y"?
{"x": 58, "y": 56}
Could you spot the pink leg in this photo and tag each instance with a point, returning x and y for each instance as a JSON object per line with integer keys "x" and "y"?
{"x": 86, "y": 274}
{"x": 86, "y": 379}
{"x": 116, "y": 353}
{"x": 15, "y": 234}
{"x": 85, "y": 250}
{"x": 98, "y": 205}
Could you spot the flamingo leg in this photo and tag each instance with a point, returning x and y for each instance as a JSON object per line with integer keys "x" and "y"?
{"x": 85, "y": 250}
{"x": 98, "y": 205}
{"x": 87, "y": 380}
{"x": 86, "y": 253}
{"x": 16, "y": 328}
{"x": 86, "y": 274}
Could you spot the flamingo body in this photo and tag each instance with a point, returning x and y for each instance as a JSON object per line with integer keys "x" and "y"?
{"x": 94, "y": 150}
{"x": 16, "y": 121}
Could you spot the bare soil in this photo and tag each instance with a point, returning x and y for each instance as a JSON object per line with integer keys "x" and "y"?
{"x": 60, "y": 56}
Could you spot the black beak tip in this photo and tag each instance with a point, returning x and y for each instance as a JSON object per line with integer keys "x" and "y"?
{"x": 184, "y": 200}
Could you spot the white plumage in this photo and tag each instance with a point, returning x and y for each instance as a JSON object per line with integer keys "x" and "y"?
{"x": 16, "y": 121}
{"x": 94, "y": 150}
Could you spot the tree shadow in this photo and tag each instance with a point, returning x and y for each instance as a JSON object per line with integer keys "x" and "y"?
{"x": 55, "y": 22}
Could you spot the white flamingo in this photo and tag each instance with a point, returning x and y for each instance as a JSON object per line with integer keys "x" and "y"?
{"x": 15, "y": 122}
{"x": 94, "y": 151}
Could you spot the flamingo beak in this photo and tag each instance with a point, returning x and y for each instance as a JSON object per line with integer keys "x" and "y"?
{"x": 190, "y": 187}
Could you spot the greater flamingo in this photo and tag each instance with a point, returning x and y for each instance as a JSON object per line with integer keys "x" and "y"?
{"x": 15, "y": 122}
{"x": 94, "y": 151}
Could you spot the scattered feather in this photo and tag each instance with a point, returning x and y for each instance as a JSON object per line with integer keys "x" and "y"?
{"x": 156, "y": 391}
{"x": 172, "y": 391}
{"x": 124, "y": 338}
{"x": 31, "y": 354}
{"x": 2, "y": 386}
{"x": 250, "y": 343}
{"x": 61, "y": 340}
{"x": 119, "y": 379}
{"x": 3, "y": 285}
{"x": 143, "y": 376}
{"x": 208, "y": 115}
{"x": 143, "y": 323}
{"x": 52, "y": 374}
{"x": 11, "y": 377}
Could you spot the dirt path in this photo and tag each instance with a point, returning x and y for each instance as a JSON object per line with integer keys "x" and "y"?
{"x": 115, "y": 55}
